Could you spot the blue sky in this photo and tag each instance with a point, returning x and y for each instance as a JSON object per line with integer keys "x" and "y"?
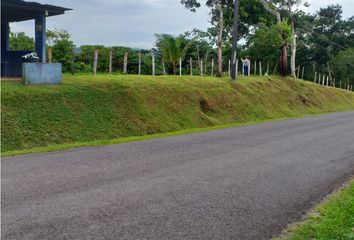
{"x": 133, "y": 23}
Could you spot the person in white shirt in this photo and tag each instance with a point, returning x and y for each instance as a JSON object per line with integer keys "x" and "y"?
{"x": 246, "y": 66}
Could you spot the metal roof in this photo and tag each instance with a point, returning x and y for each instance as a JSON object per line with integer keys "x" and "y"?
{"x": 19, "y": 10}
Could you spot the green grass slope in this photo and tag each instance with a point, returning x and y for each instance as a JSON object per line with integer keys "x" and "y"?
{"x": 86, "y": 108}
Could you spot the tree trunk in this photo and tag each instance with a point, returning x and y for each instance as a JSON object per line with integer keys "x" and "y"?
{"x": 220, "y": 40}
{"x": 234, "y": 41}
{"x": 293, "y": 51}
{"x": 283, "y": 61}
{"x": 201, "y": 67}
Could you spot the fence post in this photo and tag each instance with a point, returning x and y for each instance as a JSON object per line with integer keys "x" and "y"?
{"x": 255, "y": 67}
{"x": 125, "y": 63}
{"x": 260, "y": 68}
{"x": 110, "y": 61}
{"x": 95, "y": 59}
{"x": 229, "y": 68}
{"x": 191, "y": 65}
{"x": 180, "y": 66}
{"x": 163, "y": 66}
{"x": 236, "y": 67}
{"x": 139, "y": 70}
{"x": 153, "y": 64}
{"x": 50, "y": 54}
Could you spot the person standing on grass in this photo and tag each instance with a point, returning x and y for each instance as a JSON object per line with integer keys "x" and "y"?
{"x": 246, "y": 66}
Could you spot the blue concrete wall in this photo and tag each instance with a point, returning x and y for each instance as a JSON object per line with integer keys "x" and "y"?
{"x": 41, "y": 73}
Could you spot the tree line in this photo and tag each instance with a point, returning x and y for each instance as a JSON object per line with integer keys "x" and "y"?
{"x": 269, "y": 31}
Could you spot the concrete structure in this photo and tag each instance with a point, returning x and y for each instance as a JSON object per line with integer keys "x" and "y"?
{"x": 17, "y": 11}
{"x": 41, "y": 73}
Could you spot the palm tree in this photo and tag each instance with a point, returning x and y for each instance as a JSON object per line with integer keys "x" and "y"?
{"x": 173, "y": 49}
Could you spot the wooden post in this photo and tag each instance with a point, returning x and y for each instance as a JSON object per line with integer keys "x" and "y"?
{"x": 302, "y": 72}
{"x": 95, "y": 60}
{"x": 229, "y": 68}
{"x": 139, "y": 70}
{"x": 110, "y": 61}
{"x": 255, "y": 67}
{"x": 260, "y": 68}
{"x": 249, "y": 69}
{"x": 163, "y": 66}
{"x": 212, "y": 66}
{"x": 153, "y": 64}
{"x": 314, "y": 80}
{"x": 191, "y": 66}
{"x": 236, "y": 67}
{"x": 50, "y": 54}
{"x": 125, "y": 63}
{"x": 180, "y": 66}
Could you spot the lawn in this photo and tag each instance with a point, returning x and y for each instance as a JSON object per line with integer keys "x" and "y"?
{"x": 331, "y": 220}
{"x": 103, "y": 109}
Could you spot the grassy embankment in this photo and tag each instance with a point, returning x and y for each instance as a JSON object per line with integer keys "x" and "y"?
{"x": 87, "y": 110}
{"x": 331, "y": 220}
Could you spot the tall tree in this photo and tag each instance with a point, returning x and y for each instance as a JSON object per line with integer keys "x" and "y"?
{"x": 173, "y": 49}
{"x": 274, "y": 7}
{"x": 217, "y": 8}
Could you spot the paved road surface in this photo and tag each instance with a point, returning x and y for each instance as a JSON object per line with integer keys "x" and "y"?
{"x": 237, "y": 183}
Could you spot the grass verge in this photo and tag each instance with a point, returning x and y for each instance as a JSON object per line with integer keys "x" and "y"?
{"x": 101, "y": 110}
{"x": 331, "y": 220}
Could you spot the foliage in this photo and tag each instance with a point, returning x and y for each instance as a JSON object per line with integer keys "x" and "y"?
{"x": 63, "y": 48}
{"x": 172, "y": 48}
{"x": 343, "y": 66}
{"x": 20, "y": 41}
{"x": 85, "y": 108}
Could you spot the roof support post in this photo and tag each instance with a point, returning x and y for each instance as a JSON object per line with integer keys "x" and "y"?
{"x": 5, "y": 31}
{"x": 40, "y": 31}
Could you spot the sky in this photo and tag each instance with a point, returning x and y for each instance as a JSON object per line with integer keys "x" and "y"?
{"x": 133, "y": 23}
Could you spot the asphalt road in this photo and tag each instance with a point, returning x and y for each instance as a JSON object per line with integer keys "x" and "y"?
{"x": 237, "y": 183}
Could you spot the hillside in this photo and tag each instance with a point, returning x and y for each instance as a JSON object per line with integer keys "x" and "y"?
{"x": 86, "y": 108}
